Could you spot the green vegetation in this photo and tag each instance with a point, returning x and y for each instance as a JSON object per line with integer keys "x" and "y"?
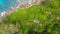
{"x": 38, "y": 19}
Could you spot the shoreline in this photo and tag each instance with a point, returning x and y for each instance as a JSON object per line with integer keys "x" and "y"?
{"x": 20, "y": 6}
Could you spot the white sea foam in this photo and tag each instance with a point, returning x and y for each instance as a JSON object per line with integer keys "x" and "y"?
{"x": 3, "y": 13}
{"x": 12, "y": 8}
{"x": 26, "y": 2}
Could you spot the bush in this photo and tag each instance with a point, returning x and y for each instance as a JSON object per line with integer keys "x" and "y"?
{"x": 38, "y": 19}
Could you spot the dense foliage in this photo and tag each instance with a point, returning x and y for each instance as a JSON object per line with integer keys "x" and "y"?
{"x": 38, "y": 19}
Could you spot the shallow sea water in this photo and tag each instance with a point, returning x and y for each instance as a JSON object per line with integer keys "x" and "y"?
{"x": 6, "y": 5}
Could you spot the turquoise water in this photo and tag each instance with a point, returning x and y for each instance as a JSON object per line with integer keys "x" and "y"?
{"x": 1, "y": 2}
{"x": 7, "y": 4}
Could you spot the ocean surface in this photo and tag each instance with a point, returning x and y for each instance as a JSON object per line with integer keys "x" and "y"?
{"x": 6, "y": 5}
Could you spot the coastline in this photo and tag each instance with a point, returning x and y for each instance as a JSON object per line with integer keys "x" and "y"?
{"x": 20, "y": 6}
